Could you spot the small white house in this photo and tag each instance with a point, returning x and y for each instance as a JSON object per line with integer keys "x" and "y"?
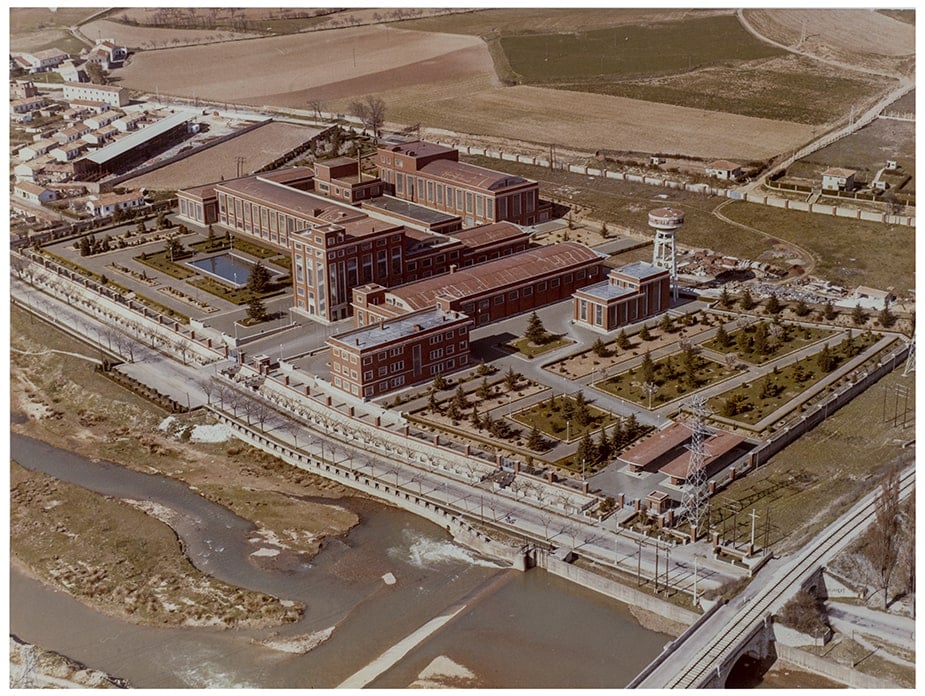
{"x": 33, "y": 193}
{"x": 724, "y": 169}
{"x": 107, "y": 203}
{"x": 838, "y": 179}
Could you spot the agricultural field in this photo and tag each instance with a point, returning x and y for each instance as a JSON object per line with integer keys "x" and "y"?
{"x": 262, "y": 145}
{"x": 136, "y": 38}
{"x": 871, "y": 40}
{"x": 611, "y": 54}
{"x": 785, "y": 88}
{"x": 362, "y": 60}
{"x": 39, "y": 28}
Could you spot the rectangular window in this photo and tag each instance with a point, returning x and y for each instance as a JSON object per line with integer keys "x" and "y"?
{"x": 383, "y": 371}
{"x": 499, "y": 299}
{"x": 439, "y": 193}
{"x": 490, "y": 208}
{"x": 598, "y": 315}
{"x": 367, "y": 375}
{"x": 468, "y": 202}
{"x": 459, "y": 199}
{"x": 554, "y": 283}
{"x": 528, "y": 291}
{"x": 512, "y": 295}
{"x": 480, "y": 206}
{"x": 430, "y": 190}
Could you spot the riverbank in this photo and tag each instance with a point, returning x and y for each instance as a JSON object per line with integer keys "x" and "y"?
{"x": 58, "y": 398}
{"x": 32, "y": 667}
{"x": 122, "y": 561}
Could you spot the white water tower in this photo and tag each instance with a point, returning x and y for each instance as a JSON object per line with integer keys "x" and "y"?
{"x": 666, "y": 222}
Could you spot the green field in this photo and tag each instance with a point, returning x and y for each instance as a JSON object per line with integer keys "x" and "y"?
{"x": 849, "y": 252}
{"x": 631, "y": 51}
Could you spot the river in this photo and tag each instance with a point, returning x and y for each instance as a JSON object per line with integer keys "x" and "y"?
{"x": 509, "y": 629}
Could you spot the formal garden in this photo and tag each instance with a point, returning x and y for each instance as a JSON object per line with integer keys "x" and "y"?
{"x": 466, "y": 410}
{"x": 537, "y": 340}
{"x": 761, "y": 341}
{"x": 656, "y": 382}
{"x": 603, "y": 355}
{"x": 757, "y": 399}
{"x": 564, "y": 417}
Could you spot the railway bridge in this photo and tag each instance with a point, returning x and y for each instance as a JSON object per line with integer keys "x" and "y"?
{"x": 704, "y": 655}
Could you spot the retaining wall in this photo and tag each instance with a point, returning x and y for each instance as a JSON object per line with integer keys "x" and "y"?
{"x": 615, "y": 590}
{"x": 411, "y": 502}
{"x": 843, "y": 674}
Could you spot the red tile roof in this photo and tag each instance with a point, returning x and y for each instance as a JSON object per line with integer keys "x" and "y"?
{"x": 493, "y": 276}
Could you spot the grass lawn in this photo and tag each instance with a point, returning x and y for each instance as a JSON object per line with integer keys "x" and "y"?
{"x": 248, "y": 247}
{"x": 669, "y": 378}
{"x": 557, "y": 419}
{"x": 207, "y": 247}
{"x": 849, "y": 252}
{"x": 819, "y": 476}
{"x": 238, "y": 296}
{"x": 159, "y": 261}
{"x": 531, "y": 350}
{"x": 788, "y": 339}
{"x": 756, "y": 400}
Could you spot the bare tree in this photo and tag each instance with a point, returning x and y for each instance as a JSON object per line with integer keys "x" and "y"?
{"x": 882, "y": 539}
{"x": 317, "y": 106}
{"x": 233, "y": 397}
{"x": 261, "y": 412}
{"x": 208, "y": 386}
{"x": 371, "y": 111}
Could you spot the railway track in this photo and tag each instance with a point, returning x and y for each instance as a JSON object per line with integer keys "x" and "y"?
{"x": 750, "y": 617}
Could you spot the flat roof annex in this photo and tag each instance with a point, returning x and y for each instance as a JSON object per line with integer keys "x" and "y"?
{"x": 136, "y": 139}
{"x": 390, "y": 330}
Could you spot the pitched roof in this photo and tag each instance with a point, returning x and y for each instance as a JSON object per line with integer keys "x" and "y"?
{"x": 471, "y": 175}
{"x": 493, "y": 276}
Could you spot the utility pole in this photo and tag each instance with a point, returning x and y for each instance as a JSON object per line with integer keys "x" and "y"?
{"x": 656, "y": 566}
{"x": 754, "y": 516}
{"x": 639, "y": 562}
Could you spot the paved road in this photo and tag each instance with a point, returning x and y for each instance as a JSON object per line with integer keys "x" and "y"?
{"x": 892, "y": 628}
{"x": 540, "y": 521}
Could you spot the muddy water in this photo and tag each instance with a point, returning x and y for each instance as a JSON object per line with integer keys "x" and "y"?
{"x": 517, "y": 630}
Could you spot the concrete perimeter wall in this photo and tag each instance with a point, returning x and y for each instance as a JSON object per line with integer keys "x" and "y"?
{"x": 706, "y": 189}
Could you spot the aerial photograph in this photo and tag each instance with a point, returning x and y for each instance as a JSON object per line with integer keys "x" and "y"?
{"x": 462, "y": 348}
